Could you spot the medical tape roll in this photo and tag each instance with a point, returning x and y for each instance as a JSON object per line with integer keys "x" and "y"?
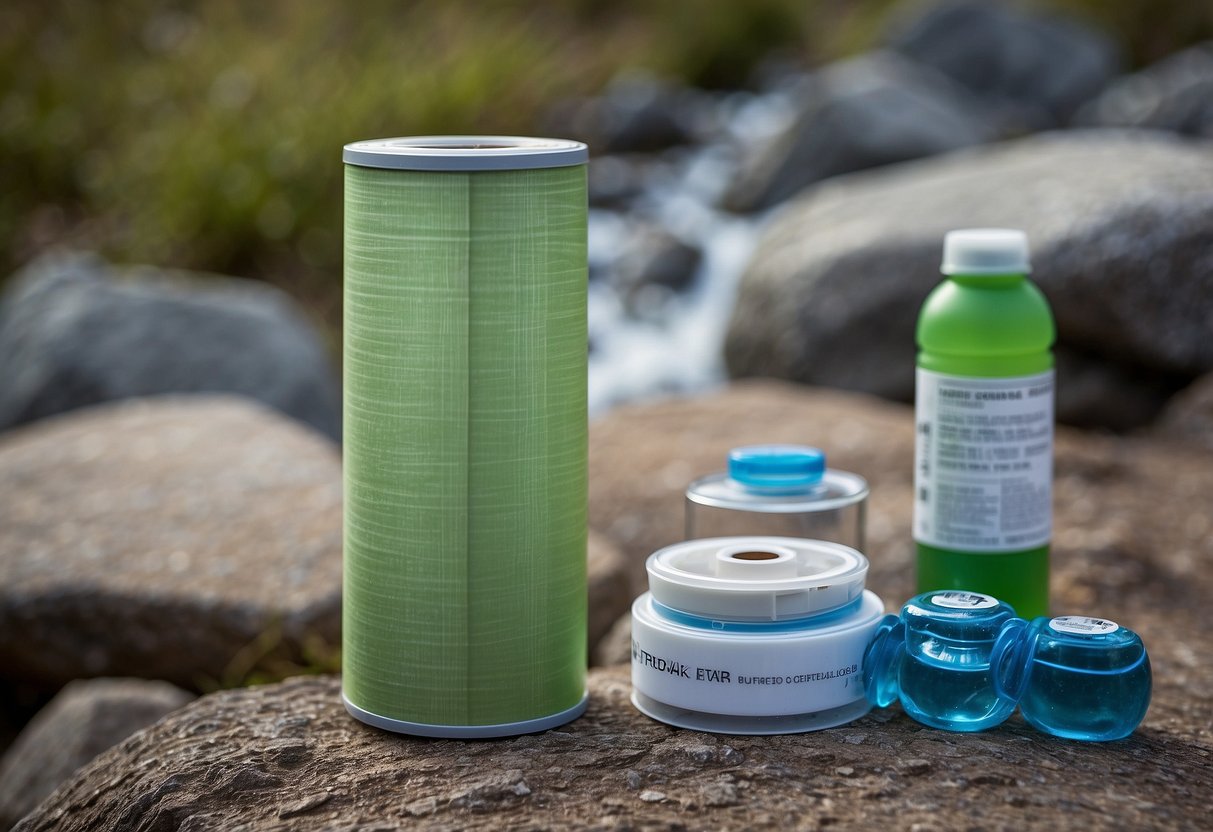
{"x": 465, "y": 434}
{"x": 753, "y": 635}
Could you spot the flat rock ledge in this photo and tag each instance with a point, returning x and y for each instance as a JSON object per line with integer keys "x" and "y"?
{"x": 288, "y": 757}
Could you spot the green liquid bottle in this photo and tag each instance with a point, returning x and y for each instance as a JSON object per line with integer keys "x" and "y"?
{"x": 983, "y": 463}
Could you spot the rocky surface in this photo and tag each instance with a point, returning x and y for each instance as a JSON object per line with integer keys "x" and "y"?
{"x": 643, "y": 457}
{"x": 1035, "y": 70}
{"x": 1133, "y": 537}
{"x": 616, "y": 646}
{"x": 948, "y": 76}
{"x": 1096, "y": 392}
{"x": 1133, "y": 533}
{"x": 182, "y": 538}
{"x": 870, "y": 111}
{"x": 655, "y": 266}
{"x": 75, "y": 332}
{"x": 288, "y": 757}
{"x": 610, "y": 586}
{"x": 635, "y": 113}
{"x": 86, "y": 718}
{"x": 1174, "y": 94}
{"x": 1121, "y": 226}
{"x": 165, "y": 538}
{"x": 1189, "y": 416}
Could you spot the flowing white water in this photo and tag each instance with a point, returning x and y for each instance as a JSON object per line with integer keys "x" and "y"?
{"x": 673, "y": 344}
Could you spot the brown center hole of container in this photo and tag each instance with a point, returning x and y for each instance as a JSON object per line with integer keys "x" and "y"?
{"x": 754, "y": 556}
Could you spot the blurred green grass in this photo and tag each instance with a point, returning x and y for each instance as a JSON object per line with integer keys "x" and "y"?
{"x": 206, "y": 135}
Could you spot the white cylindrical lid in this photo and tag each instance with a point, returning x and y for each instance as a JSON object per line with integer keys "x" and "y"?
{"x": 464, "y": 153}
{"x": 985, "y": 251}
{"x": 751, "y": 579}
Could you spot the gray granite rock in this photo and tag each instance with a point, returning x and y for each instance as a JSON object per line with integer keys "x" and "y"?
{"x": 635, "y": 114}
{"x": 656, "y": 258}
{"x": 288, "y": 757}
{"x": 1174, "y": 94}
{"x": 1121, "y": 228}
{"x": 609, "y": 584}
{"x": 869, "y": 111}
{"x": 1035, "y": 69}
{"x": 616, "y": 646}
{"x": 76, "y": 332}
{"x": 1189, "y": 415}
{"x": 85, "y": 719}
{"x": 1096, "y": 392}
{"x": 167, "y": 538}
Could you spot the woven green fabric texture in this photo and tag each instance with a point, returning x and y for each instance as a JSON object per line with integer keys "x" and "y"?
{"x": 465, "y": 444}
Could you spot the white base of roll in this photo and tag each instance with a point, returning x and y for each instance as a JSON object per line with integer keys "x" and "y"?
{"x": 467, "y": 732}
{"x": 749, "y": 725}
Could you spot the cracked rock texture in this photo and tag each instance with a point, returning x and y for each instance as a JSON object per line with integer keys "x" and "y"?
{"x": 86, "y": 718}
{"x": 288, "y": 757}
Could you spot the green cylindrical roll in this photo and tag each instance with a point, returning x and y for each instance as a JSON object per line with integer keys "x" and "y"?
{"x": 465, "y": 434}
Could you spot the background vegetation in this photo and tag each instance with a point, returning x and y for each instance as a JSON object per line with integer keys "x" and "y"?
{"x": 206, "y": 134}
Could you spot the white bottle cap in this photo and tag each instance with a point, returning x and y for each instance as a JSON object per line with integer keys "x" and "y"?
{"x": 992, "y": 251}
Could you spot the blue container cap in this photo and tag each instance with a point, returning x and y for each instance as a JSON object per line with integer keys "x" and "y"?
{"x": 777, "y": 467}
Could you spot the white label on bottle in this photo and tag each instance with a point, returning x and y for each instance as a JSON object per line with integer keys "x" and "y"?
{"x": 963, "y": 600}
{"x": 1081, "y": 625}
{"x": 983, "y": 463}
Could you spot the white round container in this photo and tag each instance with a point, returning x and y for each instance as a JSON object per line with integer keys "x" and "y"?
{"x": 753, "y": 635}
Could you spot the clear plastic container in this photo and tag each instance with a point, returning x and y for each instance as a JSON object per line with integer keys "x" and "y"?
{"x": 780, "y": 490}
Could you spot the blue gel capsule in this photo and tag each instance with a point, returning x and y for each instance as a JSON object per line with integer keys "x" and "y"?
{"x": 943, "y": 677}
{"x": 1075, "y": 677}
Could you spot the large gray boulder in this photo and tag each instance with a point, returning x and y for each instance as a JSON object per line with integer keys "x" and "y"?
{"x": 1174, "y": 94}
{"x": 1035, "y": 70}
{"x": 178, "y": 538}
{"x": 1121, "y": 227}
{"x": 195, "y": 539}
{"x": 873, "y": 110}
{"x": 86, "y": 718}
{"x": 75, "y": 332}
